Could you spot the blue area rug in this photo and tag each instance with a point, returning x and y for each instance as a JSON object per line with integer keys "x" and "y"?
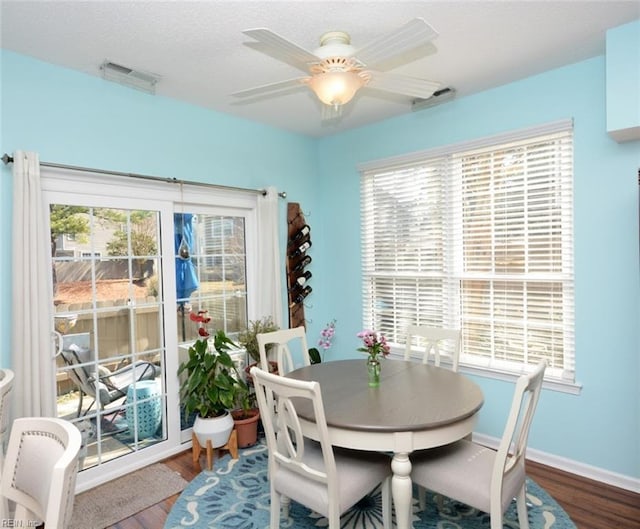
{"x": 236, "y": 496}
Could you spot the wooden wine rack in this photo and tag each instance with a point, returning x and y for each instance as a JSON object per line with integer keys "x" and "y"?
{"x": 295, "y": 222}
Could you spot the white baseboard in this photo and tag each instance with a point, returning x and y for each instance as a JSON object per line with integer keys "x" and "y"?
{"x": 568, "y": 465}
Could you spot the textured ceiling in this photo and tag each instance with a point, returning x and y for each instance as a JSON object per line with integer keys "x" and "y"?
{"x": 199, "y": 50}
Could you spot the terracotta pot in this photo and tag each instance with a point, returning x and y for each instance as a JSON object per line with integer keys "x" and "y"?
{"x": 246, "y": 426}
{"x": 273, "y": 368}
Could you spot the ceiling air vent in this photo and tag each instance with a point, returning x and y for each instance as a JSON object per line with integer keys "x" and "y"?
{"x": 439, "y": 96}
{"x": 117, "y": 73}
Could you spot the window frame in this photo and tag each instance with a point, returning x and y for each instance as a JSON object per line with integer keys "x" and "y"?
{"x": 442, "y": 167}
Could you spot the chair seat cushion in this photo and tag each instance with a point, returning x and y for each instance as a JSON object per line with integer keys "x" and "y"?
{"x": 356, "y": 471}
{"x": 462, "y": 471}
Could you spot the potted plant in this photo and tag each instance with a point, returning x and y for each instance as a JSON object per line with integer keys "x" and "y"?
{"x": 213, "y": 385}
{"x": 248, "y": 339}
{"x": 246, "y": 419}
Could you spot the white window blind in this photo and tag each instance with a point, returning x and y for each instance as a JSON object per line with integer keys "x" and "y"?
{"x": 477, "y": 237}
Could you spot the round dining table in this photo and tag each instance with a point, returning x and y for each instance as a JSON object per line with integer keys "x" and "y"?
{"x": 415, "y": 407}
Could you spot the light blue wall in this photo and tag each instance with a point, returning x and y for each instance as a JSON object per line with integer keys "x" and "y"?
{"x": 77, "y": 119}
{"x": 600, "y": 427}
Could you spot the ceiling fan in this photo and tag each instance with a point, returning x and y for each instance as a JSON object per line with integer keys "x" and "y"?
{"x": 336, "y": 70}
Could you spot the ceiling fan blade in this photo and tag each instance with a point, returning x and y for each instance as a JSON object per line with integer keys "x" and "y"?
{"x": 412, "y": 35}
{"x": 271, "y": 88}
{"x": 401, "y": 84}
{"x": 280, "y": 48}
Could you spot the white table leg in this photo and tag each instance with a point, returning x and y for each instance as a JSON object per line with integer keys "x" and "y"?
{"x": 401, "y": 489}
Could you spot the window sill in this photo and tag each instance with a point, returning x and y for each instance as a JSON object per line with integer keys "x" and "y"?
{"x": 562, "y": 386}
{"x": 553, "y": 384}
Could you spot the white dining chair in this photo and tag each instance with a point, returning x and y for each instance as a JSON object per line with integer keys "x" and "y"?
{"x": 481, "y": 477}
{"x": 327, "y": 480}
{"x": 40, "y": 471}
{"x": 433, "y": 341}
{"x": 6, "y": 390}
{"x": 283, "y": 340}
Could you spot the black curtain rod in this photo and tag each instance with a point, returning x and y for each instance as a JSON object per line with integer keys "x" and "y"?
{"x": 9, "y": 159}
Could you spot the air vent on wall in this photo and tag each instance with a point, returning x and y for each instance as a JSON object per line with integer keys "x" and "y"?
{"x": 439, "y": 96}
{"x": 132, "y": 78}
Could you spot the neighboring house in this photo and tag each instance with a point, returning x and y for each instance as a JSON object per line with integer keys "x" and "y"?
{"x": 80, "y": 245}
{"x": 221, "y": 243}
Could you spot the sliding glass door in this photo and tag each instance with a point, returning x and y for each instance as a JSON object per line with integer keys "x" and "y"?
{"x": 211, "y": 275}
{"x": 130, "y": 261}
{"x": 109, "y": 279}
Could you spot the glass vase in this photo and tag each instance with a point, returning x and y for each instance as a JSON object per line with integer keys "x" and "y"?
{"x": 373, "y": 371}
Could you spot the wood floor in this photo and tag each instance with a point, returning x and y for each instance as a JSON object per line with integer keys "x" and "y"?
{"x": 590, "y": 504}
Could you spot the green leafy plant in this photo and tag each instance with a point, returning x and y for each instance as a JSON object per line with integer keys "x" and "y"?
{"x": 213, "y": 384}
{"x": 248, "y": 340}
{"x": 246, "y": 406}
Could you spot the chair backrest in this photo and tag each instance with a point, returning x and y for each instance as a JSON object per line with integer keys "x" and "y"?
{"x": 281, "y": 340}
{"x": 6, "y": 390}
{"x": 431, "y": 339}
{"x": 511, "y": 453}
{"x": 76, "y": 353}
{"x": 40, "y": 470}
{"x": 285, "y": 439}
{"x": 6, "y": 387}
{"x": 75, "y": 358}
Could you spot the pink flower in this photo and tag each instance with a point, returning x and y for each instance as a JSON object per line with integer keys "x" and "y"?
{"x": 326, "y": 335}
{"x": 374, "y": 344}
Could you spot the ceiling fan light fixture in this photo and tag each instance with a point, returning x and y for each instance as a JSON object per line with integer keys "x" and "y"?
{"x": 338, "y": 70}
{"x": 336, "y": 88}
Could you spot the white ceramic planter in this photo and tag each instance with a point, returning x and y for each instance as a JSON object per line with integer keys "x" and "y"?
{"x": 217, "y": 429}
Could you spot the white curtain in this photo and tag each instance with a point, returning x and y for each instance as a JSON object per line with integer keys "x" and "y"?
{"x": 269, "y": 295}
{"x": 32, "y": 326}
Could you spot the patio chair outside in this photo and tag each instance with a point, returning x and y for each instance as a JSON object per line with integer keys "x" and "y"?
{"x": 108, "y": 386}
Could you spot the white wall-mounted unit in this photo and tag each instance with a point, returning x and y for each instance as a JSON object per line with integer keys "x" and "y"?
{"x": 623, "y": 82}
{"x": 126, "y": 76}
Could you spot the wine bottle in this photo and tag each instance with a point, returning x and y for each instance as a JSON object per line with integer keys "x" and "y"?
{"x": 300, "y": 249}
{"x": 301, "y": 295}
{"x": 301, "y": 280}
{"x": 300, "y": 234}
{"x": 304, "y": 262}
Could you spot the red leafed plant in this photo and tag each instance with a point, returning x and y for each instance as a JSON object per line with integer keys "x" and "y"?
{"x": 201, "y": 319}
{"x": 213, "y": 384}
